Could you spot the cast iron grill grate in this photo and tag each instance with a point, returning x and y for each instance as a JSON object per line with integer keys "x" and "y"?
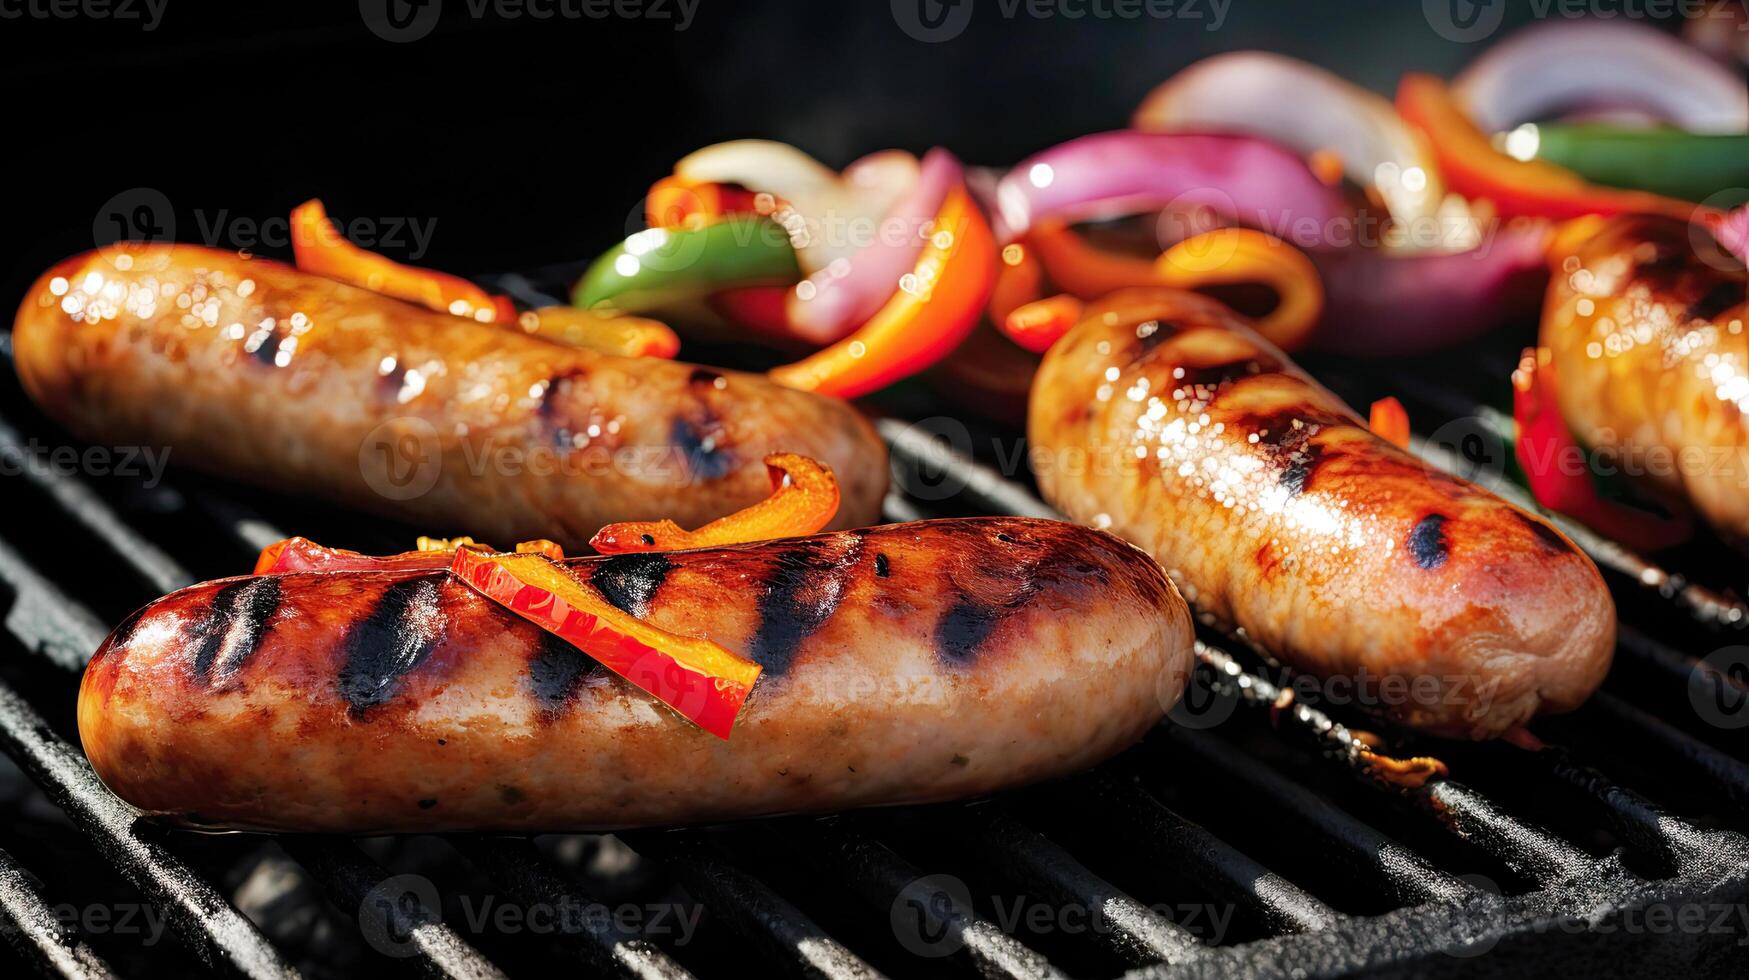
{"x": 1259, "y": 844}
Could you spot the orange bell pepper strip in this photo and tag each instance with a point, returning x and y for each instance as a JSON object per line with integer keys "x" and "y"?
{"x": 1037, "y": 325}
{"x": 1472, "y": 166}
{"x": 677, "y": 203}
{"x": 936, "y": 306}
{"x": 1390, "y": 421}
{"x": 1019, "y": 281}
{"x": 704, "y": 682}
{"x": 804, "y": 499}
{"x": 1544, "y": 442}
{"x": 1236, "y": 255}
{"x": 321, "y": 250}
{"x": 1082, "y": 270}
{"x": 625, "y": 336}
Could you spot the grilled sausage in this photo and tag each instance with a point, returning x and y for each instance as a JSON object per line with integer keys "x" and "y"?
{"x": 1164, "y": 418}
{"x": 1644, "y": 327}
{"x": 903, "y": 663}
{"x": 252, "y": 369}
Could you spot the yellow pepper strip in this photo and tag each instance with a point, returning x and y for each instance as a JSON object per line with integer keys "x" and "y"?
{"x": 1242, "y": 255}
{"x": 804, "y": 499}
{"x": 935, "y": 307}
{"x": 626, "y": 336}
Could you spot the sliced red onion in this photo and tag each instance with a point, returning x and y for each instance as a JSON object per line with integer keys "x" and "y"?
{"x": 1550, "y": 66}
{"x": 1304, "y": 108}
{"x": 836, "y": 299}
{"x": 1241, "y": 177}
{"x": 1379, "y": 303}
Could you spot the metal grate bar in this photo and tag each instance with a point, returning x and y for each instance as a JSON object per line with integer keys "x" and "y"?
{"x": 220, "y": 935}
{"x": 1176, "y": 842}
{"x": 352, "y": 882}
{"x": 889, "y": 883}
{"x": 35, "y": 932}
{"x": 1135, "y": 932}
{"x": 85, "y": 506}
{"x": 1675, "y": 665}
{"x": 599, "y": 942}
{"x": 981, "y": 484}
{"x": 1406, "y": 875}
{"x": 1529, "y": 850}
{"x": 753, "y": 908}
{"x": 1642, "y": 823}
{"x": 1726, "y": 773}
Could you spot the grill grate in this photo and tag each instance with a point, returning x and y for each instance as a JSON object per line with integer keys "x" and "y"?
{"x": 1297, "y": 768}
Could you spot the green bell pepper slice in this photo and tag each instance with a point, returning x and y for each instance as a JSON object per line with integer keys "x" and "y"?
{"x": 1673, "y": 162}
{"x": 659, "y": 267}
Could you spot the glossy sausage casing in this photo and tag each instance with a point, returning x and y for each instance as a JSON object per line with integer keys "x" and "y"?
{"x": 903, "y": 663}
{"x": 1164, "y": 418}
{"x": 1644, "y": 327}
{"x": 254, "y": 370}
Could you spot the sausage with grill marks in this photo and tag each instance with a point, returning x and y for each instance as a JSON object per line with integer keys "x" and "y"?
{"x": 905, "y": 663}
{"x": 1164, "y": 418}
{"x": 1644, "y": 324}
{"x": 254, "y": 370}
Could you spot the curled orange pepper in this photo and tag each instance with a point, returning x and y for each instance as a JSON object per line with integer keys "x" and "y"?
{"x": 674, "y": 202}
{"x": 320, "y": 249}
{"x": 702, "y": 681}
{"x": 1037, "y": 325}
{"x": 300, "y": 554}
{"x": 626, "y": 336}
{"x": 1236, "y": 255}
{"x": 936, "y": 306}
{"x": 1080, "y": 269}
{"x": 1019, "y": 281}
{"x": 1390, "y": 421}
{"x": 804, "y": 498}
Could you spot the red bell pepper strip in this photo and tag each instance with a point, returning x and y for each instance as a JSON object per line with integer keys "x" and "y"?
{"x": 674, "y": 202}
{"x": 1389, "y": 421}
{"x": 937, "y": 305}
{"x": 804, "y": 499}
{"x": 1534, "y": 188}
{"x": 1545, "y": 447}
{"x": 702, "y": 681}
{"x": 320, "y": 249}
{"x": 1036, "y": 326}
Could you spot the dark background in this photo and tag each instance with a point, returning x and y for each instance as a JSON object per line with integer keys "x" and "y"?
{"x": 530, "y": 141}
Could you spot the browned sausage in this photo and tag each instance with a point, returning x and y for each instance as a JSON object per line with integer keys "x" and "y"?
{"x": 1164, "y": 418}
{"x": 1644, "y": 326}
{"x": 910, "y": 662}
{"x": 252, "y": 369}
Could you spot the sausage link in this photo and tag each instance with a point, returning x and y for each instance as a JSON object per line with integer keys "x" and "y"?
{"x": 1644, "y": 326}
{"x": 1164, "y": 418}
{"x": 904, "y": 663}
{"x": 254, "y": 370}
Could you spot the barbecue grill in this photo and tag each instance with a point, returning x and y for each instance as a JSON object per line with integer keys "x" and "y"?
{"x": 1249, "y": 835}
